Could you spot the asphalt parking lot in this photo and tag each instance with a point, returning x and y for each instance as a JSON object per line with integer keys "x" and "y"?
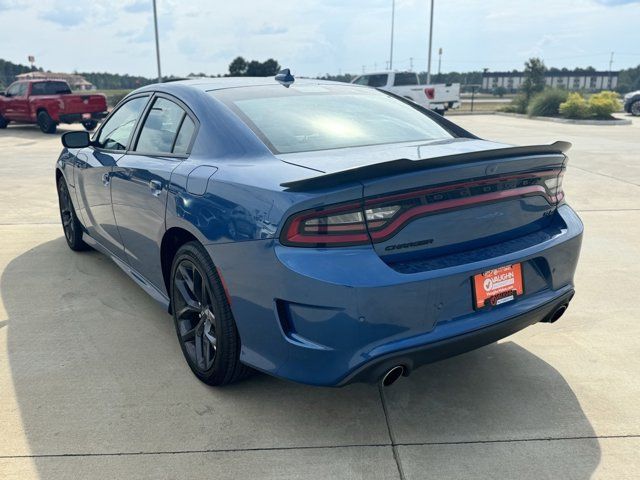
{"x": 93, "y": 383}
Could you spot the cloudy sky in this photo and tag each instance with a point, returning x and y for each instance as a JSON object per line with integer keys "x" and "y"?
{"x": 317, "y": 36}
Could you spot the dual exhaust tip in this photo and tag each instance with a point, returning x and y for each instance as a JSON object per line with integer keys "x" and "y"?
{"x": 392, "y": 375}
{"x": 556, "y": 314}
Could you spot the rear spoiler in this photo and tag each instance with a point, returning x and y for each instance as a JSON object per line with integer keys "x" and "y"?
{"x": 404, "y": 165}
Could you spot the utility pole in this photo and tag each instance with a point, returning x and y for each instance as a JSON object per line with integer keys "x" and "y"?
{"x": 155, "y": 24}
{"x": 430, "y": 40}
{"x": 393, "y": 14}
{"x": 439, "y": 60}
{"x": 610, "y": 72}
{"x": 411, "y": 64}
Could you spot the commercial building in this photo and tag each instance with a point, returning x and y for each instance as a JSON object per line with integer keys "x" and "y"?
{"x": 571, "y": 80}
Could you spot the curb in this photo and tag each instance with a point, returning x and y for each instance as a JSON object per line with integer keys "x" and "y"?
{"x": 617, "y": 121}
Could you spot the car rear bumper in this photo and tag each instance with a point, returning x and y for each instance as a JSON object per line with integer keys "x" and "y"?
{"x": 339, "y": 315}
{"x": 432, "y": 352}
{"x": 77, "y": 117}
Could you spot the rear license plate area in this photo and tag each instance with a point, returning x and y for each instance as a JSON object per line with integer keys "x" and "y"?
{"x": 497, "y": 286}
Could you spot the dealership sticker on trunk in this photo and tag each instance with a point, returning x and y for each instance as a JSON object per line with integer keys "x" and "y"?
{"x": 497, "y": 286}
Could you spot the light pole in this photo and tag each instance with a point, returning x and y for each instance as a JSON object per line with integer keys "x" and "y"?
{"x": 430, "y": 40}
{"x": 155, "y": 24}
{"x": 439, "y": 60}
{"x": 393, "y": 13}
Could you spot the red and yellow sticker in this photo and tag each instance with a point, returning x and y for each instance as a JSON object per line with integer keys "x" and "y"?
{"x": 498, "y": 286}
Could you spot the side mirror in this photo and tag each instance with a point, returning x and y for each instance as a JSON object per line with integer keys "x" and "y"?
{"x": 76, "y": 140}
{"x": 3, "y": 94}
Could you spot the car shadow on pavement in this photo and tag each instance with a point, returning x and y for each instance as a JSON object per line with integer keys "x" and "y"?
{"x": 96, "y": 369}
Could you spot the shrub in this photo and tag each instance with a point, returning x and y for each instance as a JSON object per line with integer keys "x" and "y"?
{"x": 547, "y": 103}
{"x": 603, "y": 104}
{"x": 518, "y": 105}
{"x": 575, "y": 107}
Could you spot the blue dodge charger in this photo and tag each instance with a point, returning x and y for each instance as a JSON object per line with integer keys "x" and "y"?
{"x": 320, "y": 232}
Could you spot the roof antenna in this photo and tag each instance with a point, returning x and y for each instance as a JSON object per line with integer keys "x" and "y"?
{"x": 284, "y": 77}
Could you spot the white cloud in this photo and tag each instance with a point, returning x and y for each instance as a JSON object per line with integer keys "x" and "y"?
{"x": 315, "y": 36}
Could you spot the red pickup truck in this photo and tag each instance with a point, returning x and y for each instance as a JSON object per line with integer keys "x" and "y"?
{"x": 48, "y": 103}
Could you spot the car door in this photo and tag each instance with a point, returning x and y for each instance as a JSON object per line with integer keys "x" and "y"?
{"x": 141, "y": 179}
{"x": 17, "y": 103}
{"x": 94, "y": 168}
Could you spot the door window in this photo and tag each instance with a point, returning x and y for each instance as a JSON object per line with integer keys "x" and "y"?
{"x": 167, "y": 129}
{"x": 379, "y": 80}
{"x": 362, "y": 80}
{"x": 115, "y": 133}
{"x": 17, "y": 89}
{"x": 404, "y": 79}
{"x": 184, "y": 136}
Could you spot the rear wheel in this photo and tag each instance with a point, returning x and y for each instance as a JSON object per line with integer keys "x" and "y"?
{"x": 46, "y": 123}
{"x": 635, "y": 108}
{"x": 70, "y": 223}
{"x": 3, "y": 122}
{"x": 89, "y": 125}
{"x": 204, "y": 323}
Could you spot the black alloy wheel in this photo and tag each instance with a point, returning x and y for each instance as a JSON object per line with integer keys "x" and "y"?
{"x": 70, "y": 223}
{"x": 204, "y": 323}
{"x": 46, "y": 123}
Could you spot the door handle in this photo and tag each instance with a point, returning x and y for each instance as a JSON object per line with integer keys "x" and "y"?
{"x": 106, "y": 177}
{"x": 156, "y": 187}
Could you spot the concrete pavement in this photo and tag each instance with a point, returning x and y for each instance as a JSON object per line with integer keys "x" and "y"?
{"x": 93, "y": 384}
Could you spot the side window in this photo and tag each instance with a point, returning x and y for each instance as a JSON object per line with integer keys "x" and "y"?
{"x": 160, "y": 134}
{"x": 115, "y": 133}
{"x": 362, "y": 80}
{"x": 184, "y": 136}
{"x": 378, "y": 80}
{"x": 17, "y": 89}
{"x": 405, "y": 78}
{"x": 13, "y": 89}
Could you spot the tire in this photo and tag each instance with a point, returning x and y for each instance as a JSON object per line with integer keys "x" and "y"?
{"x": 46, "y": 123}
{"x": 634, "y": 109}
{"x": 3, "y": 122}
{"x": 90, "y": 125}
{"x": 440, "y": 112}
{"x": 70, "y": 223}
{"x": 202, "y": 316}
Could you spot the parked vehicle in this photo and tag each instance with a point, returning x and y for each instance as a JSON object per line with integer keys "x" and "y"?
{"x": 49, "y": 103}
{"x": 325, "y": 233}
{"x": 439, "y": 97}
{"x": 632, "y": 103}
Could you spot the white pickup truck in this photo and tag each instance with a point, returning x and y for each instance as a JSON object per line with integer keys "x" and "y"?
{"x": 439, "y": 97}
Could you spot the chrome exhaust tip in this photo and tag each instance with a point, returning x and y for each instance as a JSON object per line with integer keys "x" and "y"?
{"x": 392, "y": 375}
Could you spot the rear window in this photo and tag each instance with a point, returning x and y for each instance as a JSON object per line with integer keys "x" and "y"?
{"x": 322, "y": 117}
{"x": 406, "y": 78}
{"x": 50, "y": 88}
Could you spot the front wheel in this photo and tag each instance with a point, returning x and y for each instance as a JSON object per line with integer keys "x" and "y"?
{"x": 202, "y": 315}
{"x": 70, "y": 223}
{"x": 46, "y": 123}
{"x": 635, "y": 108}
{"x": 89, "y": 125}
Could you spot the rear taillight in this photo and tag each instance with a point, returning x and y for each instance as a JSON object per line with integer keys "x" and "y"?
{"x": 377, "y": 219}
{"x": 554, "y": 186}
{"x": 430, "y": 92}
{"x": 337, "y": 225}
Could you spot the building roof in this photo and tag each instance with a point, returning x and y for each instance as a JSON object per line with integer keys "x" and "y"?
{"x": 569, "y": 73}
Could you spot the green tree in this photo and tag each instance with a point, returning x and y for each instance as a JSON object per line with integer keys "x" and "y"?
{"x": 534, "y": 70}
{"x": 238, "y": 67}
